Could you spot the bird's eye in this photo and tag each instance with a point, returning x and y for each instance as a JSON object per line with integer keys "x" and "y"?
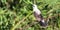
{"x": 33, "y": 6}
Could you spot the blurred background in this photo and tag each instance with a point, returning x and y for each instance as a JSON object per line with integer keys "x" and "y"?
{"x": 18, "y": 14}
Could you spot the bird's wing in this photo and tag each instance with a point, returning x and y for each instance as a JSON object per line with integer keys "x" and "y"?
{"x": 38, "y": 17}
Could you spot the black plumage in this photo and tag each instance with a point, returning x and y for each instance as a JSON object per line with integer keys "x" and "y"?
{"x": 38, "y": 16}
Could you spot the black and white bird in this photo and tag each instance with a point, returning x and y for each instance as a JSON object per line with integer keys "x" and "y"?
{"x": 38, "y": 15}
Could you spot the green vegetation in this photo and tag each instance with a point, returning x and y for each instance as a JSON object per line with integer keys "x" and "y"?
{"x": 18, "y": 14}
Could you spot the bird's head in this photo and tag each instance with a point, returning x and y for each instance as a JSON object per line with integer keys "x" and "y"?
{"x": 34, "y": 6}
{"x": 35, "y": 9}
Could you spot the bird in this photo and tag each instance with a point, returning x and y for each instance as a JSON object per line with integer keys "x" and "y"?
{"x": 38, "y": 15}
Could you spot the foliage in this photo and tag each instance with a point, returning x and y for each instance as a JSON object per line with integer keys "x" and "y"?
{"x": 18, "y": 14}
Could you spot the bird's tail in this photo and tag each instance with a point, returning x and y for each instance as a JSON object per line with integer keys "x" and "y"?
{"x": 44, "y": 24}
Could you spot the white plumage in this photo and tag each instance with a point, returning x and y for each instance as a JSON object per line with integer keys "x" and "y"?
{"x": 37, "y": 12}
{"x": 35, "y": 9}
{"x": 38, "y": 15}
